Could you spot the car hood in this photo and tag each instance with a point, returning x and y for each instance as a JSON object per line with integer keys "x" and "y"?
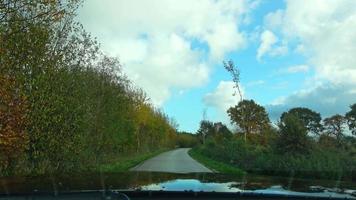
{"x": 195, "y": 182}
{"x": 244, "y": 188}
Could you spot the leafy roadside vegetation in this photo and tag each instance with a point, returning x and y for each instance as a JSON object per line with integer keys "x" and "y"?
{"x": 302, "y": 144}
{"x": 214, "y": 165}
{"x": 185, "y": 139}
{"x": 127, "y": 162}
{"x": 259, "y": 159}
{"x": 64, "y": 105}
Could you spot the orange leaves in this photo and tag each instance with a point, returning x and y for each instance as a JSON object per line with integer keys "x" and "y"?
{"x": 13, "y": 138}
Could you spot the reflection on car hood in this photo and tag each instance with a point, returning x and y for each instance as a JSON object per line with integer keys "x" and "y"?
{"x": 148, "y": 181}
{"x": 198, "y": 186}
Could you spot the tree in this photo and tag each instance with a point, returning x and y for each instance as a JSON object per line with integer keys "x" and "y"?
{"x": 206, "y": 128}
{"x": 185, "y": 139}
{"x": 310, "y": 119}
{"x": 35, "y": 10}
{"x": 334, "y": 125}
{"x": 293, "y": 135}
{"x": 351, "y": 118}
{"x": 220, "y": 130}
{"x": 235, "y": 73}
{"x": 249, "y": 116}
{"x": 328, "y": 141}
{"x": 64, "y": 105}
{"x": 13, "y": 121}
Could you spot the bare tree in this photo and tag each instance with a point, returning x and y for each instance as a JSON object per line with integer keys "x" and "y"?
{"x": 235, "y": 73}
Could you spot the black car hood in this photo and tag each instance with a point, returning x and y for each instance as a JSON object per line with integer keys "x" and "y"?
{"x": 168, "y": 182}
{"x": 240, "y": 187}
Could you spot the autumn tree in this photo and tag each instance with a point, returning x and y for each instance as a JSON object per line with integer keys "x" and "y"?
{"x": 13, "y": 121}
{"x": 310, "y": 119}
{"x": 249, "y": 116}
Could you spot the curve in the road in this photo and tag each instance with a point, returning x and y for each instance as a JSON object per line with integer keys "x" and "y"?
{"x": 175, "y": 161}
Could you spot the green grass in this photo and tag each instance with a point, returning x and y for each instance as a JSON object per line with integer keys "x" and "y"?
{"x": 128, "y": 162}
{"x": 214, "y": 165}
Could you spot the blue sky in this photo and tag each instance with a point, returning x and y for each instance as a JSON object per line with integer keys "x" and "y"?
{"x": 290, "y": 53}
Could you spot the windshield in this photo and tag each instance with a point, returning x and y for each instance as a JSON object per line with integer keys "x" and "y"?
{"x": 225, "y": 96}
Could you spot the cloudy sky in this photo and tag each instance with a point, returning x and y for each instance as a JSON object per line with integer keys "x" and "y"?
{"x": 290, "y": 53}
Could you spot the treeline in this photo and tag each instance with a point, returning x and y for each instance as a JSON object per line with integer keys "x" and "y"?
{"x": 64, "y": 105}
{"x": 186, "y": 140}
{"x": 302, "y": 144}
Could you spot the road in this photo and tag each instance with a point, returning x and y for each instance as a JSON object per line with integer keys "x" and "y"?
{"x": 175, "y": 161}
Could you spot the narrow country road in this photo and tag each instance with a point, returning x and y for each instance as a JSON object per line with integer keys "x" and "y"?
{"x": 175, "y": 161}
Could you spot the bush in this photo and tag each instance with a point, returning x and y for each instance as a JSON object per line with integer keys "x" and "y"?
{"x": 320, "y": 162}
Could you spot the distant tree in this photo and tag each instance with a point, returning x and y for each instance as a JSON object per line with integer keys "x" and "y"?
{"x": 221, "y": 132}
{"x": 293, "y": 135}
{"x": 185, "y": 139}
{"x": 221, "y": 128}
{"x": 310, "y": 119}
{"x": 214, "y": 131}
{"x": 206, "y": 128}
{"x": 334, "y": 125}
{"x": 351, "y": 118}
{"x": 249, "y": 116}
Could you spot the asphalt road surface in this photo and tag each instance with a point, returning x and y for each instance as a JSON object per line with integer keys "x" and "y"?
{"x": 175, "y": 161}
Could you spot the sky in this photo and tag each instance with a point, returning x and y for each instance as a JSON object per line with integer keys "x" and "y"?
{"x": 290, "y": 53}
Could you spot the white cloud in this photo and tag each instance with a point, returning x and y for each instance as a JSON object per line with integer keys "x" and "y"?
{"x": 267, "y": 40}
{"x": 326, "y": 33}
{"x": 268, "y": 45}
{"x": 171, "y": 63}
{"x": 300, "y": 49}
{"x": 273, "y": 20}
{"x": 222, "y": 97}
{"x": 153, "y": 39}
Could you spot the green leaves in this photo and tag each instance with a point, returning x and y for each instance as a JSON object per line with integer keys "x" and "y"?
{"x": 249, "y": 116}
{"x": 310, "y": 119}
{"x": 351, "y": 119}
{"x": 67, "y": 106}
{"x": 293, "y": 138}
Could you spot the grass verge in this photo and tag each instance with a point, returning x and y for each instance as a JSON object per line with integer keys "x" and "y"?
{"x": 214, "y": 165}
{"x": 128, "y": 162}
